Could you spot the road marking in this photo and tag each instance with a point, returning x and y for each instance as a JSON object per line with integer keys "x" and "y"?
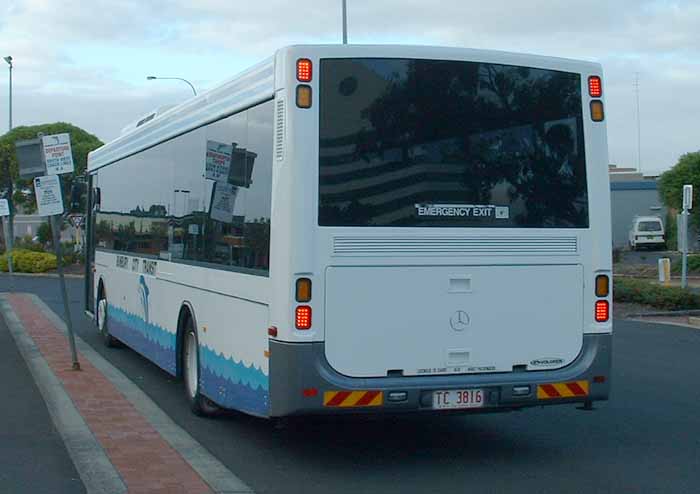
{"x": 94, "y": 467}
{"x": 212, "y": 471}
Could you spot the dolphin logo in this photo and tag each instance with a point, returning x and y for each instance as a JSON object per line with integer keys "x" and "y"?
{"x": 143, "y": 295}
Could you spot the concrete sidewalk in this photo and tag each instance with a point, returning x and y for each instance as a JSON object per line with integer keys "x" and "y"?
{"x": 117, "y": 438}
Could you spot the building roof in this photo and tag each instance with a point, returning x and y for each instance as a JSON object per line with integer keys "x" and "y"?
{"x": 633, "y": 185}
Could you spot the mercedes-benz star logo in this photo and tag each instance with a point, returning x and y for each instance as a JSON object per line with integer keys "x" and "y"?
{"x": 459, "y": 320}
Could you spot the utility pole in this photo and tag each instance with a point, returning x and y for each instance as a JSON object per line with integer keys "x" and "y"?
{"x": 639, "y": 128}
{"x": 345, "y": 22}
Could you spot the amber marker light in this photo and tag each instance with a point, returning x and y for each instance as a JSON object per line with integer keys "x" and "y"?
{"x": 303, "y": 290}
{"x": 597, "y": 113}
{"x": 602, "y": 285}
{"x": 303, "y": 96}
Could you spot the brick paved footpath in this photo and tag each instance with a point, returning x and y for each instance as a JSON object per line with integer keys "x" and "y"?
{"x": 145, "y": 461}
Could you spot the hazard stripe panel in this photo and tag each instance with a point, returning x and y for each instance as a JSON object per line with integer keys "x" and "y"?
{"x": 562, "y": 390}
{"x": 346, "y": 399}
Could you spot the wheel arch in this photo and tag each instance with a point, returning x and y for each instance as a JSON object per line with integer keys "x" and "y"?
{"x": 101, "y": 290}
{"x": 186, "y": 313}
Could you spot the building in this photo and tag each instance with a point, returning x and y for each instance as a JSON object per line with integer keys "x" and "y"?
{"x": 632, "y": 194}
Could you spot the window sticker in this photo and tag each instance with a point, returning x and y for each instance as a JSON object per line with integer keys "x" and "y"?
{"x": 463, "y": 210}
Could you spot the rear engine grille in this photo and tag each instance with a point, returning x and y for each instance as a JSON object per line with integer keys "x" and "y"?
{"x": 454, "y": 246}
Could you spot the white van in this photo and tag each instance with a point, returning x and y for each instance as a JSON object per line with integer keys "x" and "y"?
{"x": 647, "y": 231}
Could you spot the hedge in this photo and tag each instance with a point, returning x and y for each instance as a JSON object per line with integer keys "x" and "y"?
{"x": 661, "y": 297}
{"x": 693, "y": 265}
{"x": 27, "y": 261}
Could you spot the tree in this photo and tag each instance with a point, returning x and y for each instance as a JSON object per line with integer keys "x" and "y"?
{"x": 44, "y": 233}
{"x": 686, "y": 171}
{"x": 82, "y": 143}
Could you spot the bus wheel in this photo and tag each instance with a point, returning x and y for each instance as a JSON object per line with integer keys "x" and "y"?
{"x": 102, "y": 324}
{"x": 199, "y": 404}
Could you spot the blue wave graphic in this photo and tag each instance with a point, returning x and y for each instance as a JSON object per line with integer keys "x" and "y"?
{"x": 150, "y": 340}
{"x": 228, "y": 383}
{"x": 230, "y": 394}
{"x": 228, "y": 368}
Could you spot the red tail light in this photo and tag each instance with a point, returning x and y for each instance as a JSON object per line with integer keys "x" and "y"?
{"x": 595, "y": 86}
{"x": 304, "y": 70}
{"x": 602, "y": 310}
{"x": 302, "y": 319}
{"x": 310, "y": 392}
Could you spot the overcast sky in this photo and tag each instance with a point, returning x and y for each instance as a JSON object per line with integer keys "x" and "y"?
{"x": 86, "y": 61}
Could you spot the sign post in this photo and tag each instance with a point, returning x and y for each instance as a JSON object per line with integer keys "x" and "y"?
{"x": 49, "y": 199}
{"x": 683, "y": 232}
{"x": 5, "y": 215}
{"x": 31, "y": 164}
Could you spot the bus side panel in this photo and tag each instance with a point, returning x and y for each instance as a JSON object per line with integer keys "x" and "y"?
{"x": 144, "y": 310}
{"x": 233, "y": 350}
{"x": 136, "y": 309}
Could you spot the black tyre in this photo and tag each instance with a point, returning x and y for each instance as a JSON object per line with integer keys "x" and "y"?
{"x": 199, "y": 404}
{"x": 103, "y": 322}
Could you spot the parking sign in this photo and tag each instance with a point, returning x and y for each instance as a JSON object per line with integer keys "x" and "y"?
{"x": 58, "y": 154}
{"x": 49, "y": 200}
{"x": 4, "y": 208}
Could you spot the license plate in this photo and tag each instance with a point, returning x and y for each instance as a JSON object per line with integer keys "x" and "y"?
{"x": 450, "y": 399}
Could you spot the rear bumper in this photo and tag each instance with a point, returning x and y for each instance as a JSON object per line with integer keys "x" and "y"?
{"x": 295, "y": 367}
{"x": 645, "y": 241}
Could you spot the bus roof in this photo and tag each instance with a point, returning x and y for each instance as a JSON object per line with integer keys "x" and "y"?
{"x": 257, "y": 84}
{"x": 248, "y": 88}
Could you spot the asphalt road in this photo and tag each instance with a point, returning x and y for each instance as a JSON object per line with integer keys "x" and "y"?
{"x": 646, "y": 439}
{"x": 649, "y": 256}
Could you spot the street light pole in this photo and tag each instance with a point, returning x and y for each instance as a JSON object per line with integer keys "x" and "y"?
{"x": 345, "y": 22}
{"x": 10, "y": 230}
{"x": 153, "y": 78}
{"x": 8, "y": 59}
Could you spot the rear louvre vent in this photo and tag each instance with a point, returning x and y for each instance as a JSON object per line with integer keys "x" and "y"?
{"x": 279, "y": 130}
{"x": 454, "y": 246}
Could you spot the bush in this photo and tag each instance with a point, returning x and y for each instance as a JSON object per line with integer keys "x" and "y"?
{"x": 671, "y": 228}
{"x": 26, "y": 243}
{"x": 44, "y": 233}
{"x": 27, "y": 261}
{"x": 693, "y": 265}
{"x": 661, "y": 297}
{"x": 68, "y": 253}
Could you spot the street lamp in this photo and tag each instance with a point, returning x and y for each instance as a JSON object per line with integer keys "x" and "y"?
{"x": 8, "y": 59}
{"x": 345, "y": 22}
{"x": 153, "y": 78}
{"x": 10, "y": 231}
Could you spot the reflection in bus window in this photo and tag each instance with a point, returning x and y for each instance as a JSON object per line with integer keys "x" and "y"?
{"x": 204, "y": 197}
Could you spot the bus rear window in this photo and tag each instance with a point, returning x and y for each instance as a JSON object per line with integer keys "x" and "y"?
{"x": 431, "y": 143}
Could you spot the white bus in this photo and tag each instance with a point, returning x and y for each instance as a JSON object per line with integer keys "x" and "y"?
{"x": 349, "y": 229}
